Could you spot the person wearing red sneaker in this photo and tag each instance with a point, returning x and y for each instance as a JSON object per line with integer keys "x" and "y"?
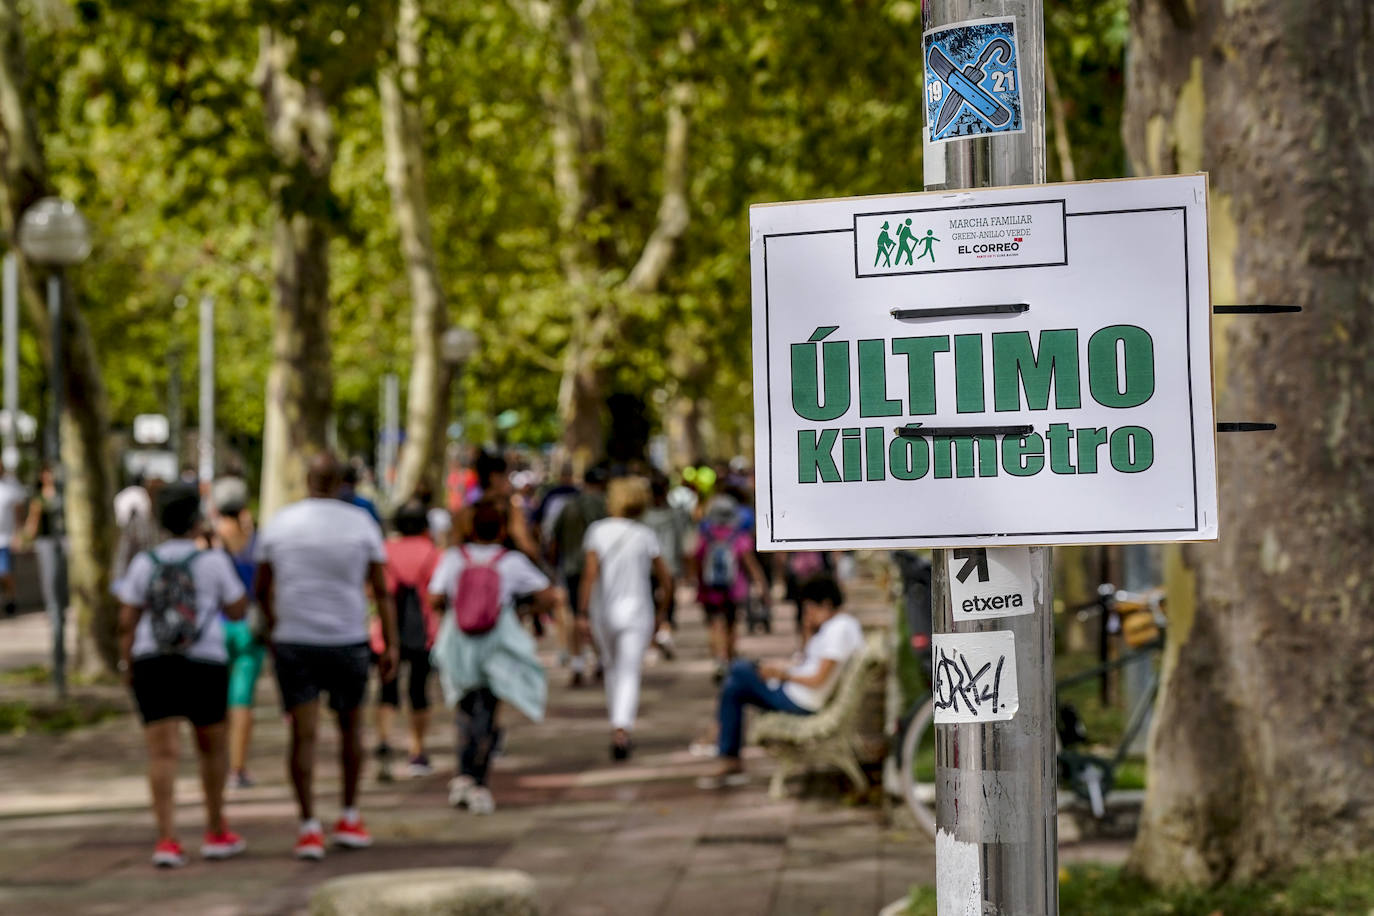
{"x": 173, "y": 657}
{"x": 315, "y": 558}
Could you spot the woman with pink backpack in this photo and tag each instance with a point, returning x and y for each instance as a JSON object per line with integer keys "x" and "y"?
{"x": 482, "y": 653}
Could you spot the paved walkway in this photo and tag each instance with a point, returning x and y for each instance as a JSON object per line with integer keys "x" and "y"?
{"x": 635, "y": 838}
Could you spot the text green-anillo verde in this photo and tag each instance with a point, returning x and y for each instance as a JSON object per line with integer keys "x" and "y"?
{"x": 1120, "y": 370}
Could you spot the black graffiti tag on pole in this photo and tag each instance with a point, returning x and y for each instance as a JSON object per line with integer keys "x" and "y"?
{"x": 957, "y": 683}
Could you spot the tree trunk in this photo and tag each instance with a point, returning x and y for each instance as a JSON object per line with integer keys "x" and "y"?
{"x": 403, "y": 134}
{"x": 581, "y": 399}
{"x": 300, "y": 383}
{"x": 578, "y": 114}
{"x": 682, "y": 424}
{"x": 1262, "y": 754}
{"x": 87, "y": 465}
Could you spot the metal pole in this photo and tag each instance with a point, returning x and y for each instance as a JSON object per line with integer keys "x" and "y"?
{"x": 175, "y": 356}
{"x": 996, "y": 781}
{"x": 207, "y": 389}
{"x": 58, "y": 609}
{"x": 11, "y": 325}
{"x": 391, "y": 430}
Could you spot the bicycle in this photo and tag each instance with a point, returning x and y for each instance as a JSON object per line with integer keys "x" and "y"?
{"x": 1087, "y": 776}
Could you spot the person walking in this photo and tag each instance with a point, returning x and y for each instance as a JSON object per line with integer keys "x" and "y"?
{"x": 42, "y": 527}
{"x": 482, "y": 653}
{"x": 569, "y": 557}
{"x": 348, "y": 491}
{"x": 617, "y": 598}
{"x": 410, "y": 563}
{"x": 138, "y": 530}
{"x": 672, "y": 525}
{"x": 314, "y": 559}
{"x": 726, "y": 566}
{"x": 13, "y": 499}
{"x": 245, "y": 641}
{"x": 172, "y": 655}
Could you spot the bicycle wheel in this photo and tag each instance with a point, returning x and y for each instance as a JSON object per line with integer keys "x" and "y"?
{"x": 917, "y": 766}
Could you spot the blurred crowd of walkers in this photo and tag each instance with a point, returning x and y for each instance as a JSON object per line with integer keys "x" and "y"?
{"x": 460, "y": 590}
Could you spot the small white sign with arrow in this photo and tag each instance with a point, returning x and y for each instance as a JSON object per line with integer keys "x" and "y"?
{"x": 987, "y": 582}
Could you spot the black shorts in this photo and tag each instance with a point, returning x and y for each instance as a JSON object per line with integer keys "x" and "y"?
{"x": 416, "y": 661}
{"x": 574, "y": 583}
{"x": 304, "y": 672}
{"x": 174, "y": 686}
{"x": 727, "y": 609}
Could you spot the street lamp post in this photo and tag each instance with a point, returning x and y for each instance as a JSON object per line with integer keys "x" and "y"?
{"x": 457, "y": 347}
{"x": 54, "y": 234}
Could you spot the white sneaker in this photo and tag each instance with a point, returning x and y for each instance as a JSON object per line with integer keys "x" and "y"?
{"x": 664, "y": 640}
{"x": 459, "y": 790}
{"x": 704, "y": 748}
{"x": 480, "y": 800}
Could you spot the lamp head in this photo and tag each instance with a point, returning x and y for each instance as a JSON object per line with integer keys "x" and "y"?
{"x": 458, "y": 345}
{"x": 54, "y": 233}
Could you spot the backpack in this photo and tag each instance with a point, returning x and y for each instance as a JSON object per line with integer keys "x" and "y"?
{"x": 477, "y": 596}
{"x": 171, "y": 605}
{"x": 410, "y": 618}
{"x": 410, "y": 615}
{"x": 721, "y": 566}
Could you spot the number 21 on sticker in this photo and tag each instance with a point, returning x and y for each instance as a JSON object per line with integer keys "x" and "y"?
{"x": 1004, "y": 81}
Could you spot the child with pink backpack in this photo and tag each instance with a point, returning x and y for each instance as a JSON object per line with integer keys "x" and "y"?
{"x": 482, "y": 653}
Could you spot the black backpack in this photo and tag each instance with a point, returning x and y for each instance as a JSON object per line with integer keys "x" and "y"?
{"x": 410, "y": 618}
{"x": 171, "y": 604}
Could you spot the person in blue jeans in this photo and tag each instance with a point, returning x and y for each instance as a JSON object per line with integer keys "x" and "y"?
{"x": 800, "y": 689}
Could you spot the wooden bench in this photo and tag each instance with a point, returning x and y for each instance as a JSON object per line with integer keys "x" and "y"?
{"x": 840, "y": 735}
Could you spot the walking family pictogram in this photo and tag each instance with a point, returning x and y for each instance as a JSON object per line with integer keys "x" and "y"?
{"x": 906, "y": 245}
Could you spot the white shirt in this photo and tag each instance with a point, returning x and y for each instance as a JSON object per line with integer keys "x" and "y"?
{"x": 320, "y": 551}
{"x": 12, "y": 496}
{"x": 518, "y": 575}
{"x": 217, "y": 586}
{"x": 131, "y": 502}
{"x": 837, "y": 639}
{"x": 626, "y": 550}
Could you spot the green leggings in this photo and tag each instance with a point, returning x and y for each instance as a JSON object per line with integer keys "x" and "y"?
{"x": 245, "y": 661}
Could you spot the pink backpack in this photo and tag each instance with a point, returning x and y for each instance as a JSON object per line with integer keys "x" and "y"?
{"x": 477, "y": 596}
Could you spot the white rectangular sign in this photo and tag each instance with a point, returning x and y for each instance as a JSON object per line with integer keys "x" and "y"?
{"x": 975, "y": 677}
{"x": 988, "y": 582}
{"x": 1059, "y": 393}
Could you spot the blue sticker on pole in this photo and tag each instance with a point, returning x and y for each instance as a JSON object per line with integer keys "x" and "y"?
{"x": 973, "y": 80}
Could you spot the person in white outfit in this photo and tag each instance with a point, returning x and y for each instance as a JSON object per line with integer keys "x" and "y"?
{"x": 618, "y": 596}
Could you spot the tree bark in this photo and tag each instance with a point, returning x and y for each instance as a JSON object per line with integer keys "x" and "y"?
{"x": 1262, "y": 754}
{"x": 403, "y": 134}
{"x": 300, "y": 131}
{"x": 88, "y": 468}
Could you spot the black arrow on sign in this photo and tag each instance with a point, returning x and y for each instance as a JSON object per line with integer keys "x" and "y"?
{"x": 976, "y": 558}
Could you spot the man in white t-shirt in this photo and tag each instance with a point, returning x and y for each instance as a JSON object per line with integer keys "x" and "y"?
{"x": 315, "y": 559}
{"x": 13, "y": 502}
{"x": 799, "y": 689}
{"x": 188, "y": 678}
